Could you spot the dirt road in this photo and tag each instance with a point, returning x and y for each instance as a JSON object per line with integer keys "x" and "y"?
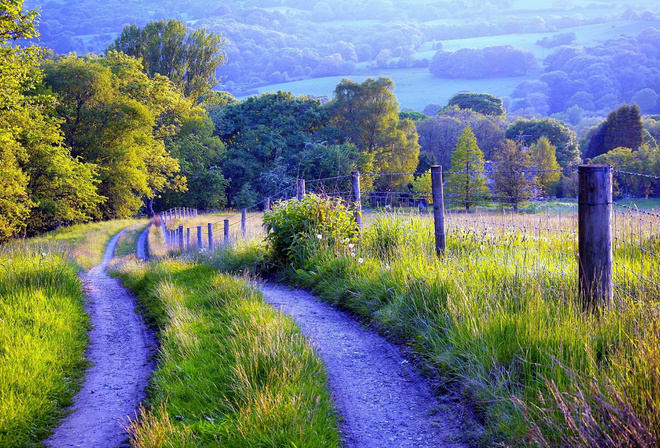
{"x": 383, "y": 401}
{"x": 120, "y": 350}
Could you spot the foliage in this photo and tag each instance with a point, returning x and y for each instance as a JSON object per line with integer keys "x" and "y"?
{"x": 367, "y": 115}
{"x": 466, "y": 183}
{"x": 422, "y": 184}
{"x": 559, "y": 135}
{"x": 298, "y": 228}
{"x": 482, "y": 103}
{"x": 623, "y": 127}
{"x": 473, "y": 63}
{"x": 232, "y": 371}
{"x": 545, "y": 161}
{"x": 115, "y": 117}
{"x": 646, "y": 160}
{"x": 41, "y": 185}
{"x": 514, "y": 175}
{"x": 189, "y": 60}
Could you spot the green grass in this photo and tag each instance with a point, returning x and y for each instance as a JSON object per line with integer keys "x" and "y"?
{"x": 43, "y": 327}
{"x": 127, "y": 244}
{"x": 232, "y": 372}
{"x": 498, "y": 319}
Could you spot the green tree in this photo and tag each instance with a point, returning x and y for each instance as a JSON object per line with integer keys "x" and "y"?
{"x": 482, "y": 103}
{"x": 116, "y": 117}
{"x": 367, "y": 115}
{"x": 190, "y": 60}
{"x": 513, "y": 174}
{"x": 646, "y": 160}
{"x": 41, "y": 185}
{"x": 466, "y": 183}
{"x": 623, "y": 127}
{"x": 423, "y": 186}
{"x": 543, "y": 157}
{"x": 555, "y": 131}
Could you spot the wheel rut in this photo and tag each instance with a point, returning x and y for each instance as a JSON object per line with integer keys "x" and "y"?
{"x": 383, "y": 401}
{"x": 120, "y": 353}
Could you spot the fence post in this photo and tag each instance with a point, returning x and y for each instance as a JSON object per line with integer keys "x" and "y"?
{"x": 188, "y": 237}
{"x": 226, "y": 232}
{"x": 181, "y": 237}
{"x": 438, "y": 209}
{"x": 210, "y": 232}
{"x": 199, "y": 237}
{"x": 595, "y": 235}
{"x": 266, "y": 204}
{"x": 300, "y": 189}
{"x": 244, "y": 222}
{"x": 358, "y": 198}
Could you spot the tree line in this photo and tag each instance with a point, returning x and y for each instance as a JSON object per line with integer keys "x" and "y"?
{"x": 139, "y": 128}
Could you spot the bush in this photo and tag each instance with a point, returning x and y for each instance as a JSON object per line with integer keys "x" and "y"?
{"x": 297, "y": 228}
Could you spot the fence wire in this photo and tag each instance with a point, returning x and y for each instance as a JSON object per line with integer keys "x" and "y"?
{"x": 544, "y": 232}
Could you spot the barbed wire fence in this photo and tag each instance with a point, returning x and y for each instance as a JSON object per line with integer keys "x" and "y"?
{"x": 547, "y": 233}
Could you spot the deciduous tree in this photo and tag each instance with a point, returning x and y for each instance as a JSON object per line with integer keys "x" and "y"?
{"x": 513, "y": 174}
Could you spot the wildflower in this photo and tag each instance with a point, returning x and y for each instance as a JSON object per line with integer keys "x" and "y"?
{"x": 44, "y": 255}
{"x": 387, "y": 267}
{"x": 352, "y": 254}
{"x": 319, "y": 236}
{"x": 350, "y": 246}
{"x": 360, "y": 260}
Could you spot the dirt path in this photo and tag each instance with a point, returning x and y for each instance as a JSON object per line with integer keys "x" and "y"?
{"x": 384, "y": 402}
{"x": 120, "y": 352}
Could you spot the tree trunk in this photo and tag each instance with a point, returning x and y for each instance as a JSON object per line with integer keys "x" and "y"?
{"x": 149, "y": 205}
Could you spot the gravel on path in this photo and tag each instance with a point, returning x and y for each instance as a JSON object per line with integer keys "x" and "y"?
{"x": 383, "y": 401}
{"x": 120, "y": 353}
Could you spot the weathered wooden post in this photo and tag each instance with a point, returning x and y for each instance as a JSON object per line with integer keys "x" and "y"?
{"x": 266, "y": 204}
{"x": 595, "y": 235}
{"x": 199, "y": 237}
{"x": 188, "y": 237}
{"x": 358, "y": 198}
{"x": 210, "y": 234}
{"x": 244, "y": 222}
{"x": 181, "y": 237}
{"x": 300, "y": 189}
{"x": 226, "y": 231}
{"x": 438, "y": 209}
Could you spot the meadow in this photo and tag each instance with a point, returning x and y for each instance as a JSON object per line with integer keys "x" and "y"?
{"x": 43, "y": 329}
{"x": 498, "y": 320}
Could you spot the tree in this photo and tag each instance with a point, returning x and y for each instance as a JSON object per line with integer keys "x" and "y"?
{"x": 367, "y": 115}
{"x": 623, "y": 127}
{"x": 555, "y": 131}
{"x": 190, "y": 60}
{"x": 513, "y": 174}
{"x": 466, "y": 183}
{"x": 543, "y": 157}
{"x": 40, "y": 183}
{"x": 482, "y": 103}
{"x": 115, "y": 117}
{"x": 646, "y": 160}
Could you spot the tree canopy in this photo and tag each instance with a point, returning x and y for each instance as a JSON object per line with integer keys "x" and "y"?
{"x": 189, "y": 59}
{"x": 466, "y": 183}
{"x": 483, "y": 103}
{"x": 623, "y": 127}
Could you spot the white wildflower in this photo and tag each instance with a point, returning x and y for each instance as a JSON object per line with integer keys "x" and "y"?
{"x": 319, "y": 236}
{"x": 350, "y": 246}
{"x": 360, "y": 260}
{"x": 352, "y": 254}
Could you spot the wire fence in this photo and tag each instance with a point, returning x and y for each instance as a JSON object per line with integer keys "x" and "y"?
{"x": 542, "y": 232}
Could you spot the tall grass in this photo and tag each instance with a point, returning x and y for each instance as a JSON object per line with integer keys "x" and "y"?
{"x": 43, "y": 327}
{"x": 232, "y": 372}
{"x": 498, "y": 317}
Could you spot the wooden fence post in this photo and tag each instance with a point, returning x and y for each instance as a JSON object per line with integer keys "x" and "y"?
{"x": 199, "y": 237}
{"x": 210, "y": 234}
{"x": 244, "y": 222}
{"x": 595, "y": 235}
{"x": 358, "y": 198}
{"x": 188, "y": 237}
{"x": 181, "y": 237}
{"x": 266, "y": 204}
{"x": 300, "y": 189}
{"x": 438, "y": 209}
{"x": 226, "y": 233}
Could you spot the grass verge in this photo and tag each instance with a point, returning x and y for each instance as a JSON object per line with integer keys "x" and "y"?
{"x": 43, "y": 327}
{"x": 498, "y": 318}
{"x": 232, "y": 372}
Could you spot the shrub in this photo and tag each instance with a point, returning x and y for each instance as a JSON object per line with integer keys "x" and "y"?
{"x": 297, "y": 228}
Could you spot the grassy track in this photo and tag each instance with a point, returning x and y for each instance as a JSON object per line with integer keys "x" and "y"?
{"x": 232, "y": 371}
{"x": 498, "y": 316}
{"x": 43, "y": 327}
